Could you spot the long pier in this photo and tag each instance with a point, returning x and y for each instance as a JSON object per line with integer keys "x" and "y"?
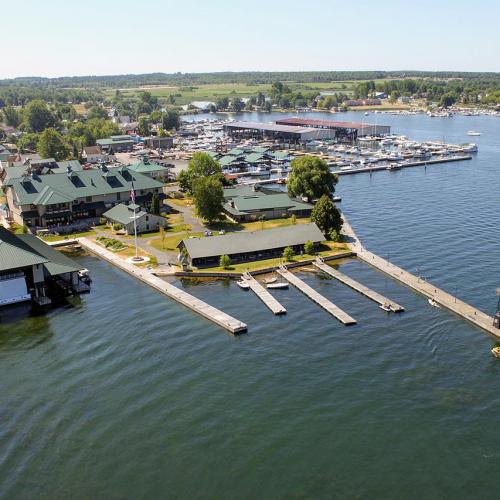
{"x": 202, "y": 308}
{"x": 328, "y": 306}
{"x": 446, "y": 300}
{"x": 355, "y": 285}
{"x": 409, "y": 164}
{"x": 264, "y": 295}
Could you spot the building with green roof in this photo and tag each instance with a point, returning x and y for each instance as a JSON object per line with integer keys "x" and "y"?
{"x": 248, "y": 203}
{"x": 250, "y": 246}
{"x": 32, "y": 270}
{"x": 154, "y": 170}
{"x": 40, "y": 201}
{"x": 116, "y": 143}
{"x": 124, "y": 215}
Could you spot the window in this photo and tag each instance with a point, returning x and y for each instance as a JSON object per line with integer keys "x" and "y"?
{"x": 118, "y": 196}
{"x": 88, "y": 199}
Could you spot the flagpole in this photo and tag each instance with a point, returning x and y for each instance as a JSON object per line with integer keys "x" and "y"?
{"x": 135, "y": 235}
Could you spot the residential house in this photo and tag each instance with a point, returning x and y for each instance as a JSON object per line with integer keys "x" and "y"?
{"x": 151, "y": 169}
{"x": 124, "y": 215}
{"x": 94, "y": 154}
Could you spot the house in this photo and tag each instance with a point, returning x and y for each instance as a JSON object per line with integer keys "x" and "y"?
{"x": 61, "y": 199}
{"x": 249, "y": 203}
{"x": 151, "y": 169}
{"x": 32, "y": 270}
{"x": 246, "y": 247}
{"x": 130, "y": 128}
{"x": 93, "y": 154}
{"x": 124, "y": 214}
{"x": 116, "y": 143}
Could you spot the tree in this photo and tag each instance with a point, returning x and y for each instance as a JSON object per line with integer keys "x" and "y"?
{"x": 225, "y": 261}
{"x": 38, "y": 117}
{"x": 11, "y": 116}
{"x": 171, "y": 119}
{"x": 448, "y": 100}
{"x": 326, "y": 215}
{"x": 28, "y": 142}
{"x": 200, "y": 165}
{"x": 208, "y": 197}
{"x": 268, "y": 106}
{"x": 51, "y": 144}
{"x": 237, "y": 105}
{"x": 310, "y": 178}
{"x": 144, "y": 126}
{"x": 288, "y": 254}
{"x": 155, "y": 204}
{"x": 309, "y": 247}
{"x": 97, "y": 112}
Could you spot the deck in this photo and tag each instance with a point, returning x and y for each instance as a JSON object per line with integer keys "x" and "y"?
{"x": 264, "y": 295}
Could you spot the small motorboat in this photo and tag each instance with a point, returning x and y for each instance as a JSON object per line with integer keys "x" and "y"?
{"x": 386, "y": 307}
{"x": 473, "y": 133}
{"x": 433, "y": 303}
{"x": 243, "y": 285}
{"x": 277, "y": 286}
{"x": 496, "y": 351}
{"x": 272, "y": 279}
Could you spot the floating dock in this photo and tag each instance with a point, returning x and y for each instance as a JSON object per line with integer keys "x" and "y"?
{"x": 328, "y": 306}
{"x": 202, "y": 308}
{"x": 419, "y": 163}
{"x": 355, "y": 285}
{"x": 446, "y": 300}
{"x": 264, "y": 295}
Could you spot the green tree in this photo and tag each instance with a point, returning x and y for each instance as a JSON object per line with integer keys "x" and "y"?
{"x": 309, "y": 247}
{"x": 448, "y": 100}
{"x": 51, "y": 144}
{"x": 326, "y": 215}
{"x": 38, "y": 117}
{"x": 11, "y": 116}
{"x": 171, "y": 119}
{"x": 237, "y": 105}
{"x": 225, "y": 261}
{"x": 155, "y": 204}
{"x": 144, "y": 126}
{"x": 208, "y": 197}
{"x": 200, "y": 165}
{"x": 288, "y": 254}
{"x": 28, "y": 142}
{"x": 310, "y": 178}
{"x": 97, "y": 112}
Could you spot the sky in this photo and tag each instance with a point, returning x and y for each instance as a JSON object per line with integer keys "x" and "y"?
{"x": 107, "y": 37}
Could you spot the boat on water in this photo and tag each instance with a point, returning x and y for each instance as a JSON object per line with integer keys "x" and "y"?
{"x": 393, "y": 166}
{"x": 473, "y": 133}
{"x": 243, "y": 285}
{"x": 277, "y": 286}
{"x": 386, "y": 307}
{"x": 272, "y": 279}
{"x": 496, "y": 351}
{"x": 433, "y": 303}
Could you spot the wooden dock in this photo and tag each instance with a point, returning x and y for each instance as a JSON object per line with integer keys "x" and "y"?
{"x": 330, "y": 307}
{"x": 359, "y": 287}
{"x": 264, "y": 295}
{"x": 446, "y": 300}
{"x": 202, "y": 308}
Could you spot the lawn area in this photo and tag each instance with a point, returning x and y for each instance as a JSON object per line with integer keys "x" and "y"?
{"x": 55, "y": 237}
{"x": 170, "y": 243}
{"x": 327, "y": 249}
{"x": 270, "y": 224}
{"x": 180, "y": 202}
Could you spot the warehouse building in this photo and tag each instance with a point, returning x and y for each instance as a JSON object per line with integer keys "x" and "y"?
{"x": 340, "y": 130}
{"x": 247, "y": 247}
{"x": 286, "y": 134}
{"x": 116, "y": 143}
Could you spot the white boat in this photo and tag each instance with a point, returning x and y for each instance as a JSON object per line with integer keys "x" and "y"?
{"x": 433, "y": 303}
{"x": 473, "y": 133}
{"x": 243, "y": 285}
{"x": 277, "y": 286}
{"x": 386, "y": 307}
{"x": 272, "y": 279}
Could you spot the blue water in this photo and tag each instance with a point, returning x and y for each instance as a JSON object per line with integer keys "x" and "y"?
{"x": 128, "y": 395}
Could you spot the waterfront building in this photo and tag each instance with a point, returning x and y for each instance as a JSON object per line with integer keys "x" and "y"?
{"x": 249, "y": 203}
{"x": 59, "y": 199}
{"x": 116, "y": 143}
{"x": 124, "y": 215}
{"x": 150, "y": 168}
{"x": 250, "y": 246}
{"x": 32, "y": 270}
{"x": 157, "y": 142}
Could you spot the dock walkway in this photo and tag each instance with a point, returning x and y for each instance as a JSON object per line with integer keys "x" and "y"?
{"x": 359, "y": 287}
{"x": 446, "y": 300}
{"x": 202, "y": 308}
{"x": 330, "y": 307}
{"x": 264, "y": 295}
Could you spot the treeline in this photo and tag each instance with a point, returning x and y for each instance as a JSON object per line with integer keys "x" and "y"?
{"x": 251, "y": 78}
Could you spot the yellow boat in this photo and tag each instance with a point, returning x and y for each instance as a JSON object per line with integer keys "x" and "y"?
{"x": 496, "y": 351}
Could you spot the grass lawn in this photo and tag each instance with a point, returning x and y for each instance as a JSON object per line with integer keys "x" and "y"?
{"x": 327, "y": 249}
{"x": 180, "y": 202}
{"x": 270, "y": 224}
{"x": 170, "y": 243}
{"x": 54, "y": 237}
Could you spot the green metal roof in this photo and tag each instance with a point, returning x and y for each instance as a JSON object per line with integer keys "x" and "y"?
{"x": 254, "y": 158}
{"x": 18, "y": 170}
{"x": 123, "y": 214}
{"x": 61, "y": 188}
{"x": 111, "y": 142}
{"x": 236, "y": 152}
{"x": 15, "y": 253}
{"x": 256, "y": 241}
{"x": 227, "y": 160}
{"x": 146, "y": 166}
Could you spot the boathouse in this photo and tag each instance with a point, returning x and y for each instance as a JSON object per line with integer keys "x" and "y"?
{"x": 250, "y": 246}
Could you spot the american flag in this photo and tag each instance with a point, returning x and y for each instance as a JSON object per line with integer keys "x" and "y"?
{"x": 132, "y": 193}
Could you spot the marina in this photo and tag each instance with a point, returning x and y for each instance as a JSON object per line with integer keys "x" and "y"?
{"x": 261, "y": 292}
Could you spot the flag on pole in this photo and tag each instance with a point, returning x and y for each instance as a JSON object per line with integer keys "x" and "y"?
{"x": 132, "y": 193}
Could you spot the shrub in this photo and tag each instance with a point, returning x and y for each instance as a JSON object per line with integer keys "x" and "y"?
{"x": 225, "y": 261}
{"x": 288, "y": 254}
{"x": 309, "y": 247}
{"x": 117, "y": 226}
